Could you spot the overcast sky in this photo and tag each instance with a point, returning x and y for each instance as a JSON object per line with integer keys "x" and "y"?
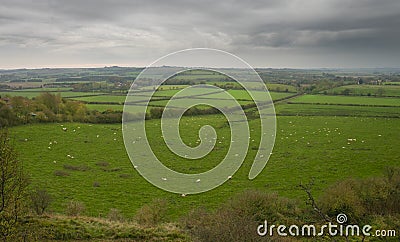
{"x": 265, "y": 33}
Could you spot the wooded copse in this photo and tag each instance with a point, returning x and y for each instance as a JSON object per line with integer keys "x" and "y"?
{"x": 48, "y": 107}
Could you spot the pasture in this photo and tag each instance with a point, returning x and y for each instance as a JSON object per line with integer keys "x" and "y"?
{"x": 88, "y": 162}
{"x": 369, "y": 90}
{"x": 347, "y": 100}
{"x": 295, "y": 109}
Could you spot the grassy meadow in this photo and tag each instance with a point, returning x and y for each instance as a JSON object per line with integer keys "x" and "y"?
{"x": 369, "y": 90}
{"x": 101, "y": 176}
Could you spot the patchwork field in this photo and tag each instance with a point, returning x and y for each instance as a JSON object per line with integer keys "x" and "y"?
{"x": 325, "y": 138}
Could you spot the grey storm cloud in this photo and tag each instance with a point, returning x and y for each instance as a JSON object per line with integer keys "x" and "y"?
{"x": 324, "y": 33}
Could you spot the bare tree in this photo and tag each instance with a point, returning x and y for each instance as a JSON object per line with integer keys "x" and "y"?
{"x": 41, "y": 200}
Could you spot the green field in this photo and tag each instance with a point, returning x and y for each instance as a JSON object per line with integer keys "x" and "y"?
{"x": 323, "y": 138}
{"x": 347, "y": 100}
{"x": 105, "y": 107}
{"x": 103, "y": 98}
{"x": 300, "y": 144}
{"x": 336, "y": 110}
{"x": 369, "y": 90}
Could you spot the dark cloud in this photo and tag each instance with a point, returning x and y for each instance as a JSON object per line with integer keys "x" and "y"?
{"x": 293, "y": 33}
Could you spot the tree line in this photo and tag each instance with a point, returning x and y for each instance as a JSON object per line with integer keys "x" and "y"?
{"x": 49, "y": 107}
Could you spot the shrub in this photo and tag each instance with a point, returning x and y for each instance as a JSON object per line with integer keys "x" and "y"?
{"x": 40, "y": 200}
{"x": 115, "y": 215}
{"x": 343, "y": 197}
{"x": 362, "y": 199}
{"x": 238, "y": 219}
{"x": 74, "y": 208}
{"x": 152, "y": 214}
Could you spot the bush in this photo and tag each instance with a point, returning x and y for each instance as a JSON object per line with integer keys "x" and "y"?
{"x": 362, "y": 199}
{"x": 40, "y": 200}
{"x": 152, "y": 214}
{"x": 115, "y": 215}
{"x": 74, "y": 208}
{"x": 238, "y": 219}
{"x": 343, "y": 197}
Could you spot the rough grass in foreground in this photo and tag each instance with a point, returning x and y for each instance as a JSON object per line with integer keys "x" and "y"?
{"x": 58, "y": 227}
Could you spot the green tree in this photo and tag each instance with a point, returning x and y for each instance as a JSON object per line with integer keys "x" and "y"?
{"x": 13, "y": 184}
